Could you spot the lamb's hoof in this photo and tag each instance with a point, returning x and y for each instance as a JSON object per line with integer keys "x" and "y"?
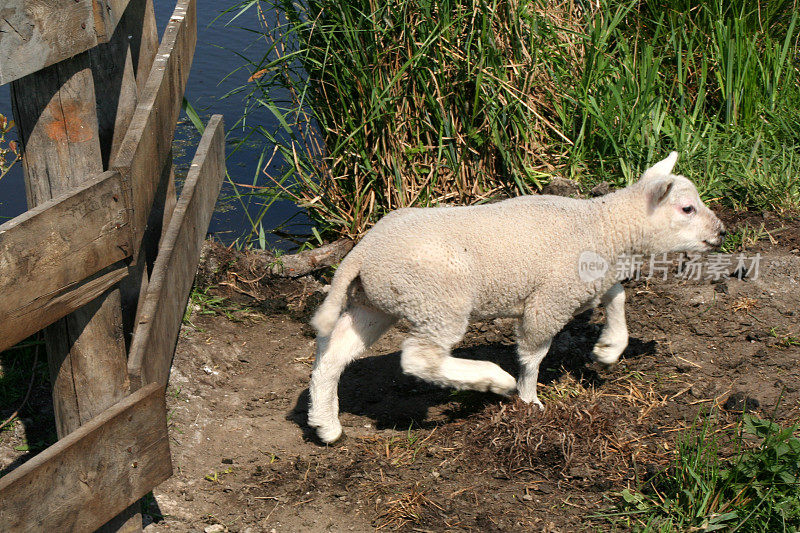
{"x": 328, "y": 431}
{"x": 331, "y": 434}
{"x": 606, "y": 354}
{"x": 533, "y": 400}
{"x": 504, "y": 385}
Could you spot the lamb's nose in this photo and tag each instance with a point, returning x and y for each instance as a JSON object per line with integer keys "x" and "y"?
{"x": 722, "y": 233}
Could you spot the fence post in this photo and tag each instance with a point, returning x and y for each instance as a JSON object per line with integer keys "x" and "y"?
{"x": 55, "y": 112}
{"x": 71, "y": 117}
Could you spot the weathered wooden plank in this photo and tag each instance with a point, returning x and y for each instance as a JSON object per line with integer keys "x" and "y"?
{"x": 145, "y": 53}
{"x": 98, "y": 470}
{"x": 35, "y": 33}
{"x": 55, "y": 246}
{"x": 160, "y": 317}
{"x": 146, "y": 147}
{"x": 44, "y": 311}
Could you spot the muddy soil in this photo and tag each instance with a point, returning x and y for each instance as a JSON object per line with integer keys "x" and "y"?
{"x": 421, "y": 458}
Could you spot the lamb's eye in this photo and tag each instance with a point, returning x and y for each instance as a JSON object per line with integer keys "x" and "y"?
{"x": 689, "y": 209}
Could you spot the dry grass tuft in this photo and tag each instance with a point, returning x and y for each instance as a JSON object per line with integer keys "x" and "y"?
{"x": 583, "y": 434}
{"x": 744, "y": 305}
{"x": 564, "y": 435}
{"x": 407, "y": 508}
{"x": 396, "y": 450}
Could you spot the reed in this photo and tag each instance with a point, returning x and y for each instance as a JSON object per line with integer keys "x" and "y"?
{"x": 382, "y": 105}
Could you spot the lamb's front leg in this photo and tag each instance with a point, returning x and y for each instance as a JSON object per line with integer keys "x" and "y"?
{"x": 540, "y": 323}
{"x": 531, "y": 355}
{"x": 614, "y": 338}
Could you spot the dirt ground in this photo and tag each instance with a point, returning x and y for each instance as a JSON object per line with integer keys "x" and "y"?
{"x": 421, "y": 458}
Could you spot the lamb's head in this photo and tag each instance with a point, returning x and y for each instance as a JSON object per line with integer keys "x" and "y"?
{"x": 677, "y": 219}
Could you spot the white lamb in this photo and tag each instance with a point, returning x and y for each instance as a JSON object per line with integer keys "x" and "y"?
{"x": 525, "y": 258}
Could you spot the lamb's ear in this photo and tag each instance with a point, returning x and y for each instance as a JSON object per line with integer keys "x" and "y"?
{"x": 659, "y": 192}
{"x": 663, "y": 168}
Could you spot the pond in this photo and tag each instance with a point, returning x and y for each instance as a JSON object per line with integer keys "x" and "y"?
{"x": 215, "y": 59}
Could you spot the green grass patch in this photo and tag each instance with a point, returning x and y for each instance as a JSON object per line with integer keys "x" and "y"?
{"x": 203, "y": 302}
{"x": 746, "y": 236}
{"x": 752, "y": 487}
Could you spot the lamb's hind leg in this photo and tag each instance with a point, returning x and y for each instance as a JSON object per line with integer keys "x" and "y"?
{"x": 355, "y": 331}
{"x": 428, "y": 357}
{"x": 614, "y": 338}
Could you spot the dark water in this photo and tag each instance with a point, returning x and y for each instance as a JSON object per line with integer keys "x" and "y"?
{"x": 214, "y": 59}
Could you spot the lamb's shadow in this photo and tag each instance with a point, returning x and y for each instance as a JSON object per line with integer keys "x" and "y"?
{"x": 376, "y": 387}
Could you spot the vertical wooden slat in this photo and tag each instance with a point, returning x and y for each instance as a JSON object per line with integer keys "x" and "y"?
{"x": 135, "y": 285}
{"x": 148, "y": 142}
{"x": 160, "y": 317}
{"x": 55, "y": 117}
{"x": 144, "y": 52}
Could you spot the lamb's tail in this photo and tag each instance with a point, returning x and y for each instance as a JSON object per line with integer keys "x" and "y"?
{"x": 328, "y": 313}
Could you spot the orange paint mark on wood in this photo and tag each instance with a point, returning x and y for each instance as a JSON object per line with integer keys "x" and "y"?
{"x": 66, "y": 123}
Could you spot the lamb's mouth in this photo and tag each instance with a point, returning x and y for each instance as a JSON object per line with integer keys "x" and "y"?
{"x": 710, "y": 245}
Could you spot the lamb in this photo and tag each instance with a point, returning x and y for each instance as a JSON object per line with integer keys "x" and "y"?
{"x": 520, "y": 258}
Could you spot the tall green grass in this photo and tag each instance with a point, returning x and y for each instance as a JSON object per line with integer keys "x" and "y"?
{"x": 382, "y": 105}
{"x": 717, "y": 81}
{"x": 389, "y": 104}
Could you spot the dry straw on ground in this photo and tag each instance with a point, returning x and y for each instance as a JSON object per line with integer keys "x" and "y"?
{"x": 584, "y": 435}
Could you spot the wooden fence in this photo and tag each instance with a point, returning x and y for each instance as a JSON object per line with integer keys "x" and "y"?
{"x": 104, "y": 260}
